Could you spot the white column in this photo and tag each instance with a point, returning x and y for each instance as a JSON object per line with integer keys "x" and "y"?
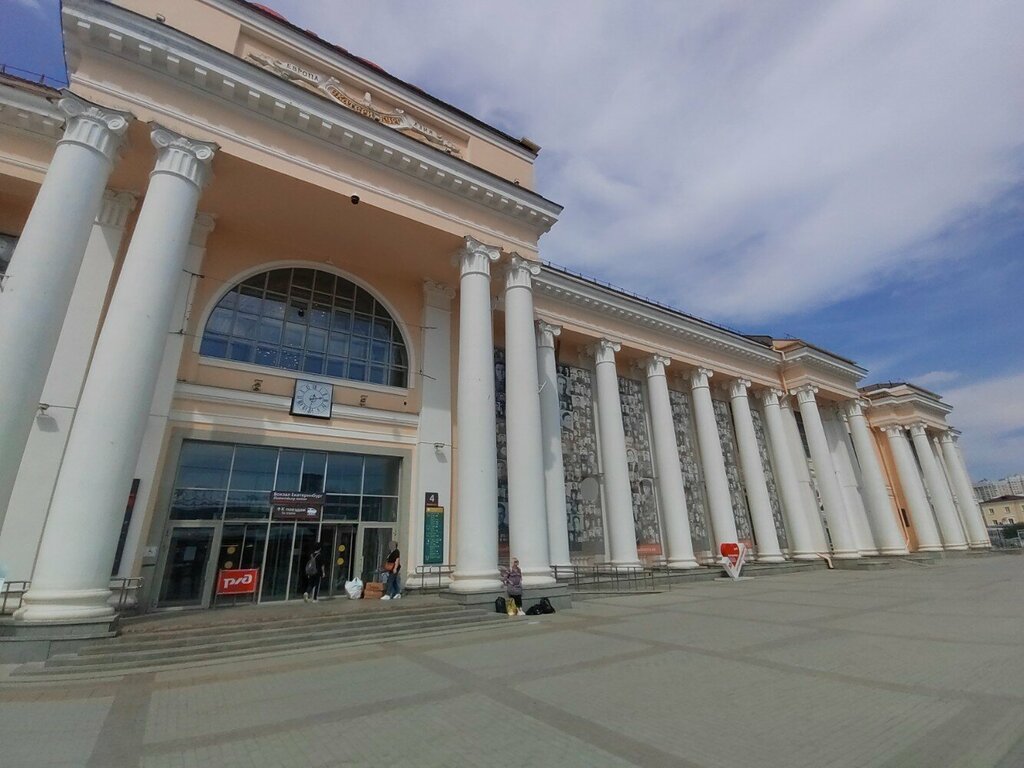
{"x": 42, "y": 273}
{"x": 527, "y": 517}
{"x": 551, "y": 448}
{"x": 812, "y": 510}
{"x": 476, "y": 529}
{"x": 949, "y": 523}
{"x": 768, "y": 550}
{"x": 77, "y": 550}
{"x": 617, "y": 496}
{"x": 913, "y": 491}
{"x": 26, "y": 512}
{"x": 977, "y": 532}
{"x": 163, "y": 394}
{"x": 842, "y": 459}
{"x": 723, "y": 524}
{"x": 887, "y": 531}
{"x": 801, "y": 543}
{"x": 671, "y": 493}
{"x": 844, "y": 546}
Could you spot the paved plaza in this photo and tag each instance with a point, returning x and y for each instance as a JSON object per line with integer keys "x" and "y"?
{"x": 918, "y": 666}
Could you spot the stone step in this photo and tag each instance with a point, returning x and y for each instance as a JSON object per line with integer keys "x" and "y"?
{"x": 90, "y": 668}
{"x": 198, "y": 635}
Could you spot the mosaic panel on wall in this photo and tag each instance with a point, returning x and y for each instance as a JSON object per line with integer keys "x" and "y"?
{"x": 579, "y": 455}
{"x": 737, "y": 495}
{"x": 641, "y": 468}
{"x": 693, "y": 479}
{"x": 499, "y": 413}
{"x": 769, "y": 477}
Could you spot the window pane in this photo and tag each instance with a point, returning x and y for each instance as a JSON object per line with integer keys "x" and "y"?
{"x": 245, "y": 326}
{"x": 303, "y": 278}
{"x": 346, "y": 289}
{"x": 214, "y": 346}
{"x": 294, "y": 335}
{"x": 291, "y": 359}
{"x": 203, "y": 465}
{"x": 250, "y": 300}
{"x": 357, "y": 371}
{"x": 398, "y": 358}
{"x": 338, "y": 344}
{"x": 324, "y": 282}
{"x": 381, "y": 329}
{"x": 398, "y": 378}
{"x": 381, "y": 475}
{"x": 336, "y": 367}
{"x": 247, "y": 504}
{"x": 313, "y": 364}
{"x": 192, "y": 504}
{"x": 270, "y": 330}
{"x": 361, "y": 325}
{"x": 297, "y": 309}
{"x": 230, "y": 299}
{"x": 358, "y": 348}
{"x": 259, "y": 282}
{"x": 278, "y": 280}
{"x": 313, "y": 469}
{"x": 341, "y": 508}
{"x": 364, "y": 301}
{"x": 344, "y": 473}
{"x": 266, "y": 356}
{"x": 289, "y": 468}
{"x": 274, "y": 305}
{"x": 378, "y": 375}
{"x": 241, "y": 351}
{"x": 254, "y": 468}
{"x": 342, "y": 320}
{"x": 220, "y": 321}
{"x": 379, "y": 509}
{"x": 320, "y": 315}
{"x": 316, "y": 340}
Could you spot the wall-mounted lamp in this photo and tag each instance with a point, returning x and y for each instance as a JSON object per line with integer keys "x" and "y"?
{"x": 43, "y": 407}
{"x": 438, "y": 447}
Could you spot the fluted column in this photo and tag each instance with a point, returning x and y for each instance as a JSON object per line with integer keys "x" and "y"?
{"x": 527, "y": 517}
{"x": 476, "y": 528}
{"x": 723, "y": 524}
{"x": 977, "y": 532}
{"x": 949, "y": 523}
{"x": 913, "y": 491}
{"x": 800, "y": 541}
{"x": 621, "y": 532}
{"x": 42, "y": 272}
{"x": 551, "y": 447}
{"x": 670, "y": 474}
{"x": 887, "y": 531}
{"x": 842, "y": 459}
{"x": 86, "y": 512}
{"x": 844, "y": 546}
{"x": 812, "y": 509}
{"x": 768, "y": 550}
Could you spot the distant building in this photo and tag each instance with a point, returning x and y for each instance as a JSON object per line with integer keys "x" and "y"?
{"x": 986, "y": 490}
{"x": 1003, "y": 510}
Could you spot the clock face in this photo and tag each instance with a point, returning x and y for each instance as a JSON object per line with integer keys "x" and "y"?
{"x": 312, "y": 398}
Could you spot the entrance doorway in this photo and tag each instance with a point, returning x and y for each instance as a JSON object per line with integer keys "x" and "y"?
{"x": 186, "y": 571}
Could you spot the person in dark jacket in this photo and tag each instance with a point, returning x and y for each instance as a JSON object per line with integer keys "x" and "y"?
{"x": 393, "y": 566}
{"x": 314, "y": 573}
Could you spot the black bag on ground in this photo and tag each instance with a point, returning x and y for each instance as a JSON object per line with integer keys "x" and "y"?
{"x": 545, "y": 606}
{"x": 499, "y": 605}
{"x": 534, "y": 610}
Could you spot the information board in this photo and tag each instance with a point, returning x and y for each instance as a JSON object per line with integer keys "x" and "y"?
{"x": 433, "y": 536}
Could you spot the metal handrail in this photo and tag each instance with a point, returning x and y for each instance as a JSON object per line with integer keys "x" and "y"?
{"x": 122, "y": 586}
{"x": 440, "y": 570}
{"x": 631, "y": 578}
{"x": 8, "y": 589}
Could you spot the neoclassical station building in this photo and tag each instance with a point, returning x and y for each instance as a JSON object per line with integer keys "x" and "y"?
{"x": 259, "y": 293}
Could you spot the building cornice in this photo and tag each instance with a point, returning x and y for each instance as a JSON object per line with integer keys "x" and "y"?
{"x": 829, "y": 365}
{"x": 566, "y": 289}
{"x": 31, "y": 112}
{"x": 200, "y": 67}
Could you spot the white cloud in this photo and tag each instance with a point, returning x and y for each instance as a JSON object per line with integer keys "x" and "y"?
{"x": 769, "y": 156}
{"x": 934, "y": 378}
{"x": 991, "y": 415}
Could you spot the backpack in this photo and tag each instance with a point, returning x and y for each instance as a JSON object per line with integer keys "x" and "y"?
{"x": 311, "y": 569}
{"x": 534, "y": 610}
{"x": 545, "y": 606}
{"x": 499, "y": 605}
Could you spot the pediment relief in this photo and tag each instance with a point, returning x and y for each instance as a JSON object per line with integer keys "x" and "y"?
{"x": 334, "y": 89}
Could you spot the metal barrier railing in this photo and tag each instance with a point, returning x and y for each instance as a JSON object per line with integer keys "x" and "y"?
{"x": 124, "y": 588}
{"x": 431, "y": 571}
{"x": 617, "y": 578}
{"x": 11, "y": 593}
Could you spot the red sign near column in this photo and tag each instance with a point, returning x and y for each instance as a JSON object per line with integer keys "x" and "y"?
{"x": 731, "y": 550}
{"x": 239, "y": 581}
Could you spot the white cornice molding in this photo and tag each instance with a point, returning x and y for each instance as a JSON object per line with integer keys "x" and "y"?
{"x": 815, "y": 359}
{"x": 162, "y": 49}
{"x": 566, "y": 289}
{"x": 31, "y": 112}
{"x": 282, "y": 404}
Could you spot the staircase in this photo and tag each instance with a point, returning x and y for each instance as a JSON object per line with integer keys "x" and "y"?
{"x": 155, "y": 645}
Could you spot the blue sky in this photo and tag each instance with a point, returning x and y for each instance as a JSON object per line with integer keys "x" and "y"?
{"x": 847, "y": 172}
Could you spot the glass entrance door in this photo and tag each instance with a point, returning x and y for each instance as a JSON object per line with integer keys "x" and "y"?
{"x": 374, "y": 551}
{"x": 339, "y": 545}
{"x": 187, "y": 567}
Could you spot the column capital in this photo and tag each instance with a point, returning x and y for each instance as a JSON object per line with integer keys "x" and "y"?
{"x": 100, "y": 129}
{"x": 604, "y": 350}
{"x": 855, "y": 407}
{"x": 655, "y": 365}
{"x": 805, "y": 393}
{"x": 519, "y": 272}
{"x": 201, "y": 229}
{"x": 474, "y": 258}
{"x": 918, "y": 429}
{"x": 738, "y": 387}
{"x": 699, "y": 378}
{"x": 546, "y": 333}
{"x": 771, "y": 396}
{"x": 181, "y": 156}
{"x": 115, "y": 208}
{"x": 438, "y": 295}
{"x": 948, "y": 436}
{"x": 894, "y": 431}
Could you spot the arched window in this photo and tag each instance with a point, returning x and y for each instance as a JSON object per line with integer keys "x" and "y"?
{"x": 310, "y": 321}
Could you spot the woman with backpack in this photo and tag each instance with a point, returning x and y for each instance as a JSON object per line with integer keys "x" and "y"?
{"x": 314, "y": 572}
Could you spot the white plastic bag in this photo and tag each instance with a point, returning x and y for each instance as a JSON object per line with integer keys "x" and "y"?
{"x": 354, "y": 588}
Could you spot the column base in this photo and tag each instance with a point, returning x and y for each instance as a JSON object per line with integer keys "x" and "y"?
{"x": 468, "y": 582}
{"x": 928, "y": 549}
{"x": 65, "y": 606}
{"x": 770, "y": 558}
{"x": 956, "y": 547}
{"x": 539, "y": 578}
{"x": 981, "y": 545}
{"x": 683, "y": 564}
{"x": 894, "y": 551}
{"x": 806, "y": 556}
{"x": 846, "y": 554}
{"x": 869, "y": 552}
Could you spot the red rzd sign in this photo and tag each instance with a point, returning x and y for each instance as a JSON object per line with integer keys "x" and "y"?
{"x": 238, "y": 581}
